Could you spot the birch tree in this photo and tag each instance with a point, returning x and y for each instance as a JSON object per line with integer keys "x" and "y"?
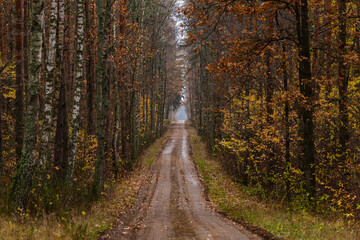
{"x": 21, "y": 184}
{"x": 47, "y": 123}
{"x": 77, "y": 90}
{"x": 61, "y": 136}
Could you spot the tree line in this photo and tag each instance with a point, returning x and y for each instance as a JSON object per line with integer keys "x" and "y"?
{"x": 273, "y": 86}
{"x": 85, "y": 86}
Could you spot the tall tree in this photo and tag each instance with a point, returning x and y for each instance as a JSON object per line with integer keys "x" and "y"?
{"x": 343, "y": 81}
{"x": 306, "y": 108}
{"x": 26, "y": 49}
{"x": 61, "y": 135}
{"x": 19, "y": 103}
{"x": 1, "y": 129}
{"x": 90, "y": 67}
{"x": 47, "y": 121}
{"x": 21, "y": 184}
{"x": 102, "y": 91}
{"x": 79, "y": 69}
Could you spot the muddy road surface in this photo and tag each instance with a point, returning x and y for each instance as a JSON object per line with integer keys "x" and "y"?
{"x": 171, "y": 205}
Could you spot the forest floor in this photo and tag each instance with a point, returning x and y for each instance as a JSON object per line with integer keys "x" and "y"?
{"x": 172, "y": 205}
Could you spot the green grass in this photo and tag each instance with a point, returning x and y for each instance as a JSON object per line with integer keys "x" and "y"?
{"x": 89, "y": 223}
{"x": 228, "y": 197}
{"x": 150, "y": 161}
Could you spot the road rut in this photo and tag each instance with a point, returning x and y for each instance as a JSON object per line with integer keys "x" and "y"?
{"x": 172, "y": 205}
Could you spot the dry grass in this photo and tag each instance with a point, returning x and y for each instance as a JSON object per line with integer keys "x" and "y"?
{"x": 88, "y": 224}
{"x": 228, "y": 197}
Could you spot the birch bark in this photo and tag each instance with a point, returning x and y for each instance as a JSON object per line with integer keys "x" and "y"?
{"x": 77, "y": 90}
{"x": 47, "y": 124}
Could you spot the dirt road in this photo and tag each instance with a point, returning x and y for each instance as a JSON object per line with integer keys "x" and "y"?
{"x": 171, "y": 205}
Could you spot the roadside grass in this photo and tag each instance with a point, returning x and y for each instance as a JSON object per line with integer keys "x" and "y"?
{"x": 85, "y": 223}
{"x": 150, "y": 161}
{"x": 229, "y": 197}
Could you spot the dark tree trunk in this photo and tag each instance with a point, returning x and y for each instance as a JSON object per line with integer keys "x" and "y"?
{"x": 270, "y": 163}
{"x": 90, "y": 73}
{"x": 307, "y": 158}
{"x": 125, "y": 133}
{"x": 1, "y": 127}
{"x": 343, "y": 83}
{"x": 102, "y": 92}
{"x": 19, "y": 102}
{"x": 269, "y": 90}
{"x": 26, "y": 45}
{"x": 287, "y": 127}
{"x": 62, "y": 134}
{"x": 22, "y": 182}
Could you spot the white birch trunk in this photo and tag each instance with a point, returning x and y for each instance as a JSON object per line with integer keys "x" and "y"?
{"x": 60, "y": 40}
{"x": 47, "y": 124}
{"x": 77, "y": 90}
